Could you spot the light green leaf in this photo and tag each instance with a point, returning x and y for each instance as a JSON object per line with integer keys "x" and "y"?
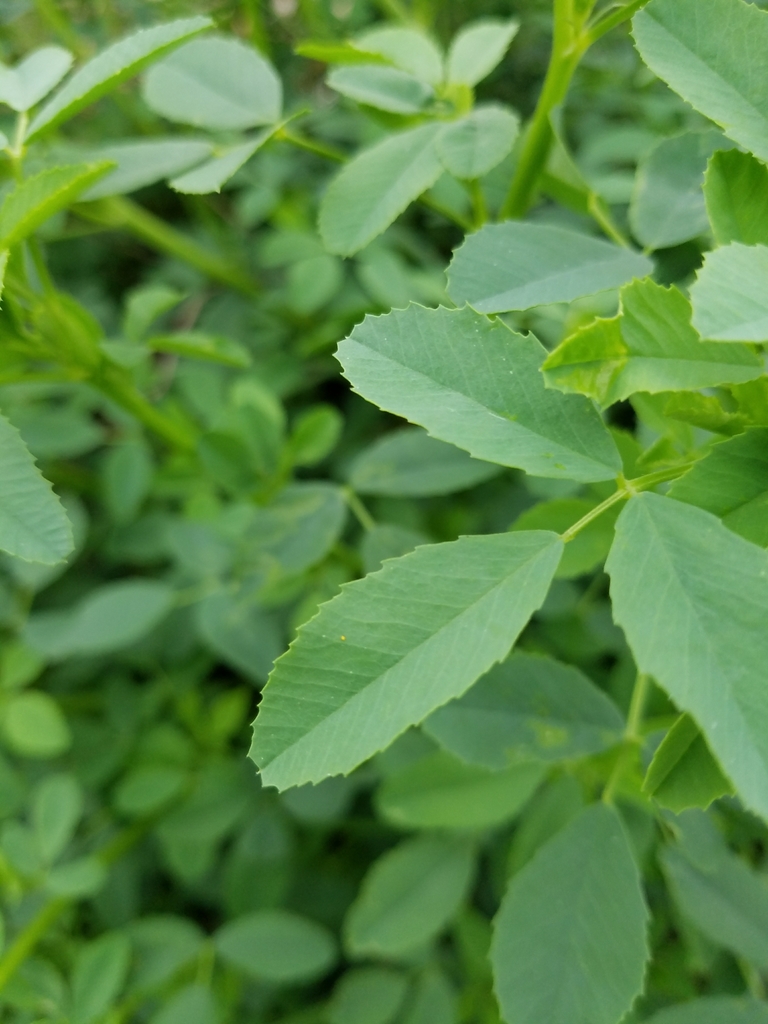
{"x": 277, "y": 946}
{"x": 299, "y": 526}
{"x": 444, "y": 613}
{"x": 315, "y": 434}
{"x": 476, "y": 384}
{"x": 579, "y": 900}
{"x": 683, "y": 772}
{"x": 126, "y": 478}
{"x": 110, "y": 617}
{"x": 388, "y": 541}
{"x": 730, "y": 302}
{"x": 408, "y": 896}
{"x": 210, "y": 176}
{"x": 33, "y": 523}
{"x": 517, "y": 266}
{"x": 736, "y": 193}
{"x": 410, "y": 463}
{"x": 705, "y": 411}
{"x": 720, "y": 73}
{"x": 56, "y": 809}
{"x": 732, "y": 483}
{"x": 242, "y": 634}
{"x": 215, "y": 348}
{"x": 477, "y": 48}
{"x": 667, "y": 205}
{"x": 112, "y": 66}
{"x": 98, "y": 977}
{"x": 442, "y": 792}
{"x": 650, "y": 346}
{"x": 434, "y": 1000}
{"x": 367, "y": 995}
{"x": 147, "y": 788}
{"x": 474, "y": 145}
{"x": 218, "y": 82}
{"x": 714, "y": 1010}
{"x": 144, "y": 305}
{"x": 193, "y": 1004}
{"x": 409, "y": 49}
{"x": 23, "y": 86}
{"x": 689, "y": 593}
{"x": 341, "y": 52}
{"x": 143, "y": 162}
{"x": 77, "y": 879}
{"x": 34, "y": 726}
{"x": 162, "y": 944}
{"x": 39, "y": 197}
{"x": 589, "y": 548}
{"x": 376, "y": 186}
{"x": 382, "y": 87}
{"x": 716, "y": 890}
{"x": 527, "y": 708}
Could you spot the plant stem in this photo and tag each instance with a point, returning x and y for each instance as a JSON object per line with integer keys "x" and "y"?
{"x": 29, "y": 937}
{"x": 52, "y": 16}
{"x": 119, "y": 212}
{"x": 568, "y": 47}
{"x": 632, "y": 735}
{"x": 359, "y": 510}
{"x": 179, "y": 435}
{"x": 613, "y": 20}
{"x": 626, "y": 489}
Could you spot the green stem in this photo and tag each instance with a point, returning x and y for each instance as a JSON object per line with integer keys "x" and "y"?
{"x": 119, "y": 212}
{"x": 568, "y": 48}
{"x": 50, "y": 13}
{"x": 29, "y": 937}
{"x": 610, "y": 21}
{"x": 632, "y": 735}
{"x": 627, "y": 488}
{"x": 359, "y": 510}
{"x": 179, "y": 435}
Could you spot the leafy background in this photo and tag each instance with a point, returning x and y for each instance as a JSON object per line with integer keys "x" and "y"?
{"x": 146, "y": 874}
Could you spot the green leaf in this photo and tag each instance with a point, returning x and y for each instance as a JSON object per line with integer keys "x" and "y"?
{"x": 143, "y": 162}
{"x": 650, "y": 346}
{"x": 147, "y": 788}
{"x": 162, "y": 944}
{"x": 299, "y": 526}
{"x": 56, "y": 809}
{"x": 527, "y": 708}
{"x": 77, "y": 879}
{"x": 736, "y": 192}
{"x": 408, "y": 896}
{"x": 33, "y": 726}
{"x": 714, "y": 1010}
{"x": 517, "y": 266}
{"x": 99, "y": 974}
{"x": 409, "y": 49}
{"x": 388, "y": 541}
{"x": 732, "y": 483}
{"x": 110, "y": 617}
{"x": 683, "y": 772}
{"x": 442, "y": 792}
{"x": 689, "y": 593}
{"x": 579, "y": 900}
{"x": 410, "y": 463}
{"x": 38, "y": 198}
{"x": 717, "y": 72}
{"x": 382, "y": 87}
{"x": 667, "y": 205}
{"x": 111, "y": 67}
{"x": 193, "y": 1004}
{"x": 725, "y": 898}
{"x": 729, "y": 300}
{"x": 434, "y": 1000}
{"x": 477, "y": 48}
{"x": 376, "y": 186}
{"x": 144, "y": 305}
{"x": 277, "y": 946}
{"x": 215, "y": 348}
{"x": 368, "y": 995}
{"x": 210, "y": 176}
{"x": 127, "y": 474}
{"x": 444, "y": 369}
{"x": 589, "y": 548}
{"x": 446, "y": 612}
{"x": 242, "y": 634}
{"x": 218, "y": 83}
{"x": 23, "y": 86}
{"x": 474, "y": 145}
{"x": 33, "y": 523}
{"x": 345, "y": 52}
{"x": 705, "y": 411}
{"x": 315, "y": 434}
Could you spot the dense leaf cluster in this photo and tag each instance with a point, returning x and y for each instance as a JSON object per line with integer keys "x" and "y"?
{"x": 499, "y": 606}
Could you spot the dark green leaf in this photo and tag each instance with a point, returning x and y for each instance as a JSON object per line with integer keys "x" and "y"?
{"x": 683, "y": 772}
{"x": 277, "y": 946}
